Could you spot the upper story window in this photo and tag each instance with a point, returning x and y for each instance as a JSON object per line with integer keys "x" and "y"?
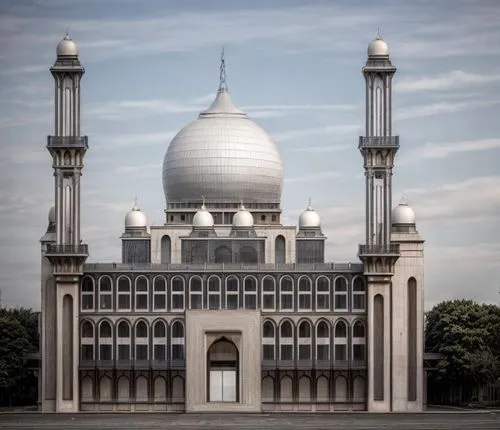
{"x": 286, "y": 341}
{"x": 214, "y": 292}
{"x": 105, "y": 293}
{"x": 123, "y": 294}
{"x": 177, "y": 293}
{"x": 87, "y": 341}
{"x": 268, "y": 294}
{"x": 286, "y": 293}
{"x": 268, "y": 341}
{"x": 305, "y": 340}
{"x": 322, "y": 341}
{"x": 340, "y": 294}
{"x": 141, "y": 293}
{"x": 358, "y": 341}
{"x": 159, "y": 293}
{"x": 123, "y": 340}
{"x": 358, "y": 294}
{"x": 340, "y": 341}
{"x": 305, "y": 294}
{"x": 195, "y": 293}
{"x": 250, "y": 292}
{"x": 177, "y": 341}
{"x": 232, "y": 292}
{"x": 322, "y": 294}
{"x": 160, "y": 341}
{"x": 87, "y": 296}
{"x": 105, "y": 341}
{"x": 141, "y": 341}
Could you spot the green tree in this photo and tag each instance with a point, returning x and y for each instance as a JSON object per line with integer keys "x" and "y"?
{"x": 14, "y": 345}
{"x": 467, "y": 335}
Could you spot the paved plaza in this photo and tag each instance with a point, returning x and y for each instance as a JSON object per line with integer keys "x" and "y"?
{"x": 428, "y": 421}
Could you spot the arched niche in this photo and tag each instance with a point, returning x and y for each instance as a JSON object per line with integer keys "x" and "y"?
{"x": 223, "y": 371}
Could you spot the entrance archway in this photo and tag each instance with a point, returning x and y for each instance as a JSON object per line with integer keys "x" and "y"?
{"x": 223, "y": 371}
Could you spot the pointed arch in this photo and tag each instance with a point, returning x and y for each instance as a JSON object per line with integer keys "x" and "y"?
{"x": 340, "y": 340}
{"x": 159, "y": 340}
{"x": 141, "y": 389}
{"x": 178, "y": 340}
{"x": 341, "y": 389}
{"x": 305, "y": 293}
{"x": 269, "y": 340}
{"x": 322, "y": 293}
{"x": 268, "y": 301}
{"x": 305, "y": 339}
{"x": 358, "y": 341}
{"x": 160, "y": 389}
{"x": 268, "y": 389}
{"x": 105, "y": 293}
{"x": 141, "y": 293}
{"x": 358, "y": 294}
{"x": 359, "y": 389}
{"x": 322, "y": 389}
{"x": 87, "y": 340}
{"x": 232, "y": 292}
{"x": 105, "y": 390}
{"x": 340, "y": 294}
{"x": 250, "y": 292}
{"x": 159, "y": 293}
{"x": 124, "y": 293}
{"x": 286, "y": 336}
{"x": 214, "y": 292}
{"x": 286, "y": 293}
{"x": 87, "y": 389}
{"x": 286, "y": 390}
{"x": 322, "y": 340}
{"x": 123, "y": 340}
{"x": 87, "y": 294}
{"x": 195, "y": 292}
{"x": 123, "y": 389}
{"x": 178, "y": 291}
{"x": 141, "y": 340}
{"x": 105, "y": 340}
{"x": 304, "y": 389}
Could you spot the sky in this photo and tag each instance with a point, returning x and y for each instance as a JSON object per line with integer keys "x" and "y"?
{"x": 295, "y": 68}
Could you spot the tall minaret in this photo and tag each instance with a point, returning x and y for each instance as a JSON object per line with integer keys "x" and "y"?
{"x": 379, "y": 148}
{"x": 67, "y": 148}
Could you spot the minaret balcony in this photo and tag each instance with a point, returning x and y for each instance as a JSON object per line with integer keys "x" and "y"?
{"x": 378, "y": 142}
{"x": 57, "y": 142}
{"x": 379, "y": 250}
{"x": 81, "y": 250}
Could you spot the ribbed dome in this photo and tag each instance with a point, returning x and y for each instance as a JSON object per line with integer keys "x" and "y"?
{"x": 309, "y": 218}
{"x": 223, "y": 156}
{"x": 378, "y": 47}
{"x": 67, "y": 47}
{"x": 403, "y": 214}
{"x": 136, "y": 218}
{"x": 203, "y": 218}
{"x": 242, "y": 218}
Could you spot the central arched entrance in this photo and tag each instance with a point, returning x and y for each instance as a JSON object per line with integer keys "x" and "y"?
{"x": 223, "y": 371}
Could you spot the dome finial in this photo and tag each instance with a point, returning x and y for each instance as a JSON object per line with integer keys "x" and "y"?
{"x": 222, "y": 73}
{"x": 309, "y": 207}
{"x": 379, "y": 36}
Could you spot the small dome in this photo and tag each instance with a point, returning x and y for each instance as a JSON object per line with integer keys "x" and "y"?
{"x": 203, "y": 218}
{"x": 242, "y": 218}
{"x": 378, "y": 47}
{"x": 309, "y": 218}
{"x": 403, "y": 214}
{"x": 67, "y": 47}
{"x": 52, "y": 215}
{"x": 136, "y": 218}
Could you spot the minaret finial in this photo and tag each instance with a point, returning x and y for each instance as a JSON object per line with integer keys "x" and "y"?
{"x": 135, "y": 203}
{"x": 379, "y": 36}
{"x": 222, "y": 74}
{"x": 203, "y": 201}
{"x": 67, "y": 33}
{"x": 309, "y": 202}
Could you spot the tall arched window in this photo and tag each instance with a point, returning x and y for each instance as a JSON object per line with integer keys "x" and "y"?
{"x": 177, "y": 293}
{"x": 222, "y": 360}
{"x": 358, "y": 341}
{"x": 123, "y": 294}
{"x": 340, "y": 294}
{"x": 322, "y": 294}
{"x": 250, "y": 292}
{"x": 358, "y": 294}
{"x": 141, "y": 341}
{"x": 268, "y": 294}
{"x": 159, "y": 341}
{"x": 165, "y": 250}
{"x": 195, "y": 293}
{"x": 141, "y": 293}
{"x": 340, "y": 341}
{"x": 286, "y": 293}
{"x": 105, "y": 341}
{"x": 412, "y": 339}
{"x": 87, "y": 341}
{"x": 279, "y": 250}
{"x": 214, "y": 292}
{"x": 160, "y": 294}
{"x": 305, "y": 294}
{"x": 105, "y": 293}
{"x": 268, "y": 341}
{"x": 123, "y": 340}
{"x": 223, "y": 255}
{"x": 286, "y": 341}
{"x": 87, "y": 296}
{"x": 232, "y": 292}
{"x": 305, "y": 340}
{"x": 178, "y": 341}
{"x": 322, "y": 341}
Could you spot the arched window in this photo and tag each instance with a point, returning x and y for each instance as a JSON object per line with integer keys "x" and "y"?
{"x": 248, "y": 255}
{"x": 105, "y": 293}
{"x": 177, "y": 341}
{"x": 268, "y": 294}
{"x": 141, "y": 341}
{"x": 105, "y": 341}
{"x": 358, "y": 341}
{"x": 304, "y": 389}
{"x": 141, "y": 293}
{"x": 222, "y": 360}
{"x": 159, "y": 341}
{"x": 123, "y": 294}
{"x": 87, "y": 341}
{"x": 268, "y": 341}
{"x": 358, "y": 294}
{"x": 305, "y": 340}
{"x": 412, "y": 339}
{"x": 340, "y": 341}
{"x": 305, "y": 294}
{"x": 87, "y": 296}
{"x": 123, "y": 340}
{"x": 177, "y": 293}
{"x": 286, "y": 341}
{"x": 322, "y": 341}
{"x": 195, "y": 293}
{"x": 340, "y": 389}
{"x": 223, "y": 255}
{"x": 322, "y": 389}
{"x": 340, "y": 294}
{"x": 286, "y": 293}
{"x": 160, "y": 294}
{"x": 214, "y": 292}
{"x": 268, "y": 389}
{"x": 279, "y": 250}
{"x": 322, "y": 294}
{"x": 286, "y": 389}
{"x": 165, "y": 250}
{"x": 250, "y": 292}
{"x": 232, "y": 292}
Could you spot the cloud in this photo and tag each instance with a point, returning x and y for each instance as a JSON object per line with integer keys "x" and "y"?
{"x": 449, "y": 81}
{"x": 420, "y": 111}
{"x": 321, "y": 149}
{"x": 445, "y": 149}
{"x": 477, "y": 256}
{"x": 312, "y": 177}
{"x": 316, "y": 131}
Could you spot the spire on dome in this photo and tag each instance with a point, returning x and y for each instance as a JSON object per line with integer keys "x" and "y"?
{"x": 222, "y": 74}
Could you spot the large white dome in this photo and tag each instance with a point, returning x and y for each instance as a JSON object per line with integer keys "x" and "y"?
{"x": 224, "y": 157}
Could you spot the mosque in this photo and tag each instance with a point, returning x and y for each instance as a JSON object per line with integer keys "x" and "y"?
{"x": 224, "y": 308}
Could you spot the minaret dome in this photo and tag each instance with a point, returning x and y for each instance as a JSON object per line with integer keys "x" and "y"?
{"x": 378, "y": 47}
{"x": 403, "y": 214}
{"x": 203, "y": 218}
{"x": 309, "y": 218}
{"x": 242, "y": 218}
{"x": 67, "y": 47}
{"x": 136, "y": 218}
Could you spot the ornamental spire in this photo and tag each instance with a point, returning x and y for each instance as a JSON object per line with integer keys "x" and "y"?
{"x": 222, "y": 74}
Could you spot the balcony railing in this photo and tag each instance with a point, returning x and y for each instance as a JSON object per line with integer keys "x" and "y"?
{"x": 81, "y": 249}
{"x": 391, "y": 249}
{"x": 70, "y": 141}
{"x": 378, "y": 141}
